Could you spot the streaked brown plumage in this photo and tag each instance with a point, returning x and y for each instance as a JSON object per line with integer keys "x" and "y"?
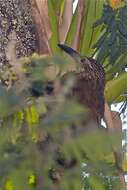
{"x": 88, "y": 88}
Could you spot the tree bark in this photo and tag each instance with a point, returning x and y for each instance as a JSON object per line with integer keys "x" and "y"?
{"x": 41, "y": 21}
{"x": 114, "y": 126}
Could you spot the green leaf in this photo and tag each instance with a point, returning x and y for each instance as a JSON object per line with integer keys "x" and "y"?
{"x": 116, "y": 87}
{"x": 65, "y": 113}
{"x": 96, "y": 183}
{"x": 116, "y": 68}
{"x": 9, "y": 185}
{"x": 9, "y": 101}
{"x": 59, "y": 5}
{"x": 72, "y": 29}
{"x": 98, "y": 30}
{"x": 89, "y": 33}
{"x": 102, "y": 152}
{"x": 54, "y": 27}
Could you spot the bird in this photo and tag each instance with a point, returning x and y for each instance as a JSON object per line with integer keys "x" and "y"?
{"x": 88, "y": 88}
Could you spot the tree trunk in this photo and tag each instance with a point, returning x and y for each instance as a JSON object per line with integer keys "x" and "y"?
{"x": 15, "y": 16}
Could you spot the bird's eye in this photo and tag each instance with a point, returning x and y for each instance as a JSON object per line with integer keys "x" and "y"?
{"x": 90, "y": 65}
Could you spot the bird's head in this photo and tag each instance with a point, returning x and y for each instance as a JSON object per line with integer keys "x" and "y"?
{"x": 74, "y": 54}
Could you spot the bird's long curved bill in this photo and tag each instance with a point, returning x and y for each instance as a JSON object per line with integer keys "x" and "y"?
{"x": 69, "y": 50}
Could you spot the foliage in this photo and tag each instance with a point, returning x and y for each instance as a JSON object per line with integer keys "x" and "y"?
{"x": 45, "y": 137}
{"x": 114, "y": 39}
